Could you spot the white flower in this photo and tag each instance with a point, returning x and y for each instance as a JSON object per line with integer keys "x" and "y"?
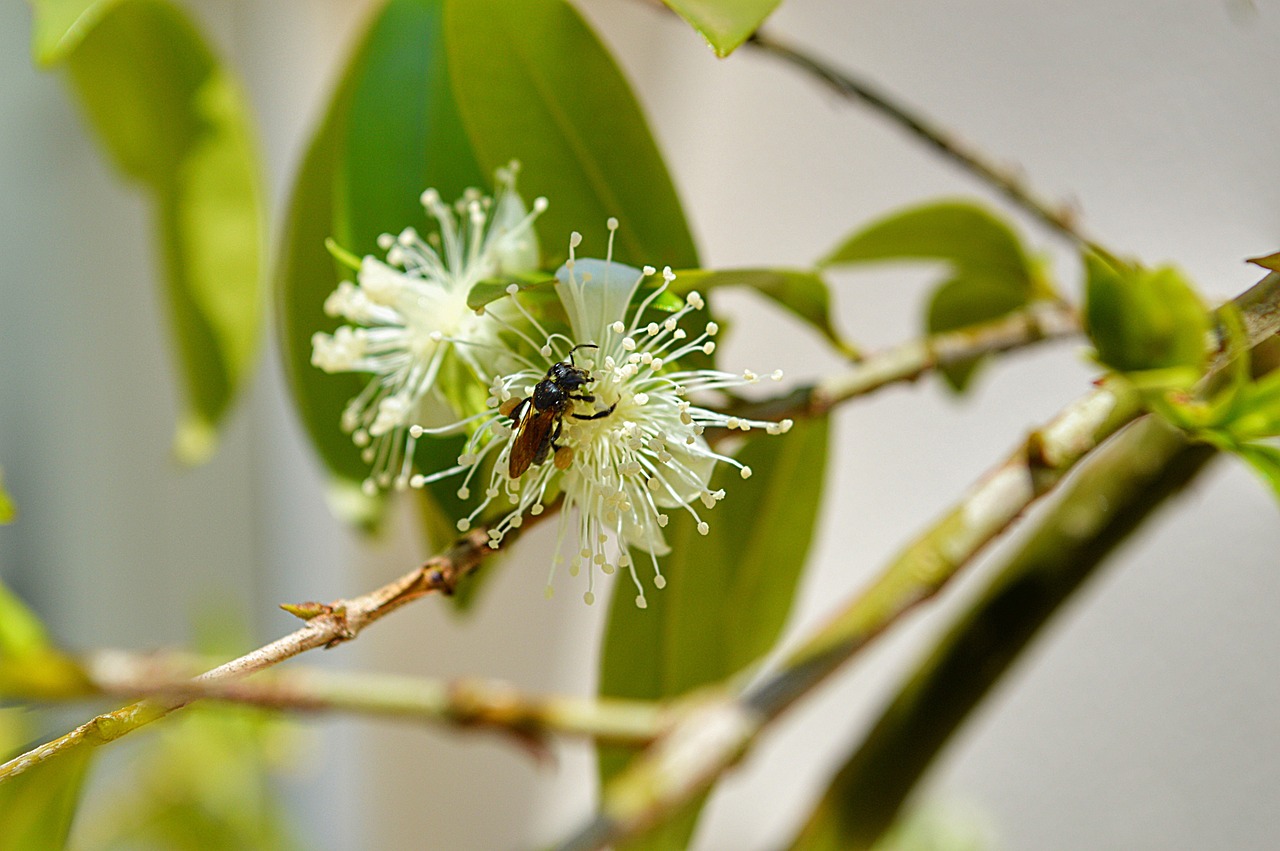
{"x": 633, "y": 452}
{"x": 409, "y": 313}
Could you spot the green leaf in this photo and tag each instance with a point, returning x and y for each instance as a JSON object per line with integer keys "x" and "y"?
{"x": 966, "y": 301}
{"x": 533, "y": 83}
{"x": 172, "y": 118}
{"x": 728, "y": 593}
{"x": 7, "y": 511}
{"x": 725, "y": 24}
{"x": 30, "y": 666}
{"x": 391, "y": 131}
{"x": 1265, "y": 460}
{"x": 1269, "y": 261}
{"x": 401, "y": 133}
{"x": 1141, "y": 319}
{"x": 991, "y": 272}
{"x": 59, "y": 26}
{"x": 968, "y": 237}
{"x": 802, "y": 292}
{"x": 487, "y": 292}
{"x": 38, "y": 806}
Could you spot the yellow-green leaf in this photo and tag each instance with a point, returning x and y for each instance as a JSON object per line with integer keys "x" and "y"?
{"x": 7, "y": 511}
{"x": 172, "y": 118}
{"x": 725, "y": 24}
{"x": 38, "y": 806}
{"x": 1140, "y": 319}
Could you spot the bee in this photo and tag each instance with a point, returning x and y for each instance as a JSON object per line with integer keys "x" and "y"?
{"x": 539, "y": 418}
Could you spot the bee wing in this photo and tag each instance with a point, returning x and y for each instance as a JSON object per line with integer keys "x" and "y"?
{"x": 532, "y": 431}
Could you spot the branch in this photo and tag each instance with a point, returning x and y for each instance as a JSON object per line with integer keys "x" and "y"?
{"x": 1058, "y": 218}
{"x": 328, "y": 624}
{"x": 686, "y": 761}
{"x": 464, "y": 703}
{"x": 1115, "y": 493}
{"x": 1038, "y": 322}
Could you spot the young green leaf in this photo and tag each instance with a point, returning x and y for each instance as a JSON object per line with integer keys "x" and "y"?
{"x": 991, "y": 274}
{"x": 533, "y": 83}
{"x": 179, "y": 124}
{"x": 965, "y": 301}
{"x": 728, "y": 593}
{"x": 966, "y": 236}
{"x": 1270, "y": 261}
{"x": 725, "y": 24}
{"x": 1140, "y": 319}
{"x": 802, "y": 292}
{"x": 30, "y": 666}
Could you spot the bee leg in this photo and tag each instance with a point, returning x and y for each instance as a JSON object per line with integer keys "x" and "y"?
{"x": 582, "y": 397}
{"x": 597, "y": 415}
{"x": 564, "y": 457}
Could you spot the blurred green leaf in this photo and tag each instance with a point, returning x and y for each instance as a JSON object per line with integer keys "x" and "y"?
{"x": 965, "y": 301}
{"x": 1140, "y": 319}
{"x": 728, "y": 593}
{"x": 30, "y": 666}
{"x": 7, "y": 511}
{"x": 802, "y": 292}
{"x": 968, "y": 237}
{"x": 59, "y": 26}
{"x": 172, "y": 118}
{"x": 991, "y": 274}
{"x": 725, "y": 24}
{"x": 38, "y": 806}
{"x": 203, "y": 783}
{"x": 533, "y": 83}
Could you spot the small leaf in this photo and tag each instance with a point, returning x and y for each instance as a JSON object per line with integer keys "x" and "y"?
{"x": 1141, "y": 319}
{"x": 966, "y": 301}
{"x": 1265, "y": 460}
{"x": 991, "y": 273}
{"x": 38, "y": 806}
{"x": 802, "y": 292}
{"x": 725, "y": 24}
{"x": 533, "y": 82}
{"x": 30, "y": 666}
{"x": 59, "y": 26}
{"x": 179, "y": 124}
{"x": 1269, "y": 261}
{"x": 487, "y": 292}
{"x": 962, "y": 234}
{"x": 728, "y": 593}
{"x": 7, "y": 511}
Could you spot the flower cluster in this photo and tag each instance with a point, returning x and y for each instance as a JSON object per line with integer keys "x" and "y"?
{"x": 596, "y": 407}
{"x": 629, "y": 451}
{"x": 409, "y": 316}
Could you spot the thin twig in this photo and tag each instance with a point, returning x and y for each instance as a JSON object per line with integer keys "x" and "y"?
{"x": 328, "y": 624}
{"x": 1059, "y": 218}
{"x": 704, "y": 743}
{"x": 464, "y": 703}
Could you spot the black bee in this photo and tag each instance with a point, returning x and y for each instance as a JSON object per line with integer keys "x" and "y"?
{"x": 539, "y": 419}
